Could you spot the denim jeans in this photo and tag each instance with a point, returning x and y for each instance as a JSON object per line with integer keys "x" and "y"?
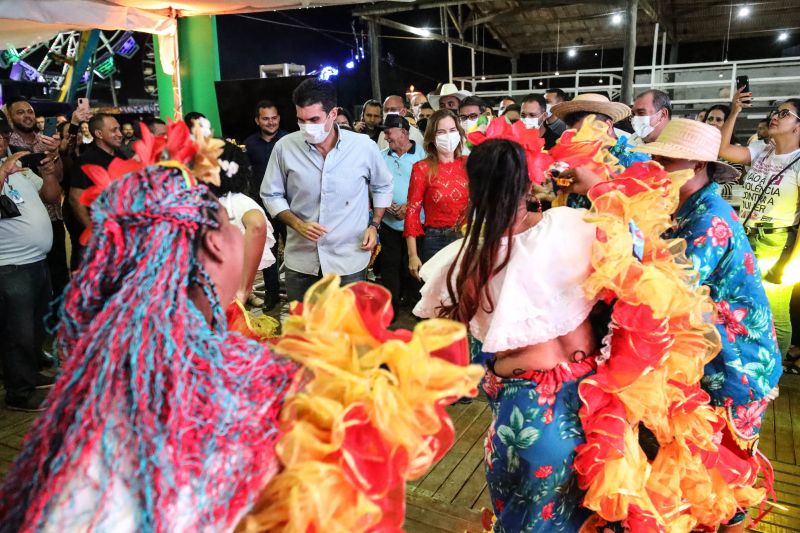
{"x": 271, "y": 276}
{"x": 435, "y": 239}
{"x": 768, "y": 248}
{"x": 298, "y": 283}
{"x": 24, "y": 295}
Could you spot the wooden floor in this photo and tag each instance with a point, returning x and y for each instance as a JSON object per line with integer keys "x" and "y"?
{"x": 450, "y": 497}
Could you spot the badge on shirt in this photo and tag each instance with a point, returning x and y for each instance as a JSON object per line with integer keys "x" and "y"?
{"x": 15, "y": 196}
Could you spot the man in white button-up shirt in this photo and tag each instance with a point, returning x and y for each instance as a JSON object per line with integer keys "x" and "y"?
{"x": 318, "y": 182}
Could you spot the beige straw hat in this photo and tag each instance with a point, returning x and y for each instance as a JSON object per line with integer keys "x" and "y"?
{"x": 447, "y": 89}
{"x": 694, "y": 141}
{"x": 593, "y": 103}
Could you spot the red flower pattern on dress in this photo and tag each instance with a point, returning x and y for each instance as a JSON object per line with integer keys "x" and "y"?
{"x": 488, "y": 446}
{"x": 732, "y": 320}
{"x": 749, "y": 263}
{"x": 719, "y": 232}
{"x": 499, "y": 505}
{"x": 543, "y": 471}
{"x": 492, "y": 385}
{"x": 547, "y": 390}
{"x": 747, "y": 418}
{"x": 700, "y": 241}
{"x": 548, "y": 416}
{"x": 547, "y": 511}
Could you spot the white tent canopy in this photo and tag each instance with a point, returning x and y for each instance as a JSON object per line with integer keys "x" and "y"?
{"x": 25, "y": 22}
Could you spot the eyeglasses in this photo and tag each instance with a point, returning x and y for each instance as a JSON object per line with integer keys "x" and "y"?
{"x": 783, "y": 113}
{"x": 471, "y": 116}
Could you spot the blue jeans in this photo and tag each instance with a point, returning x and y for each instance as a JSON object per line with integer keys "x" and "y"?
{"x": 298, "y": 283}
{"x": 435, "y": 239}
{"x": 24, "y": 296}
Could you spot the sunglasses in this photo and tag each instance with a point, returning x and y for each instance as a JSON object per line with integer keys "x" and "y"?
{"x": 783, "y": 113}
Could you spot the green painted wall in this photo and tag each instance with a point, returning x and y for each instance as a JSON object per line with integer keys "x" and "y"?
{"x": 199, "y": 69}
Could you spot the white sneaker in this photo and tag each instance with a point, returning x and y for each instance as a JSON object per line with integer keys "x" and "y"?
{"x": 254, "y": 301}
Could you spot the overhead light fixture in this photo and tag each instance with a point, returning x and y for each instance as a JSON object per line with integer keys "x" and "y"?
{"x": 616, "y": 18}
{"x": 556, "y": 73}
{"x": 744, "y": 11}
{"x": 350, "y": 64}
{"x": 541, "y": 83}
{"x": 422, "y": 32}
{"x": 783, "y": 36}
{"x": 483, "y": 78}
{"x": 572, "y": 52}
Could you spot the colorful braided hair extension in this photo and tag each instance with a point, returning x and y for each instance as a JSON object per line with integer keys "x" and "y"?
{"x": 178, "y": 415}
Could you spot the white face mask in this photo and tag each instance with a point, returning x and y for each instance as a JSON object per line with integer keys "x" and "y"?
{"x": 468, "y": 124}
{"x": 531, "y": 122}
{"x": 641, "y": 126}
{"x": 448, "y": 142}
{"x": 548, "y": 108}
{"x": 205, "y": 127}
{"x": 391, "y": 113}
{"x": 314, "y": 133}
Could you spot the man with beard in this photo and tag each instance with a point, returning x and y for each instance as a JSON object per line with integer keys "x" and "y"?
{"x": 128, "y": 138}
{"x": 371, "y": 117}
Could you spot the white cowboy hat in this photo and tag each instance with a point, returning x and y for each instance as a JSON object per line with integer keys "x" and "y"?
{"x": 693, "y": 141}
{"x": 592, "y": 103}
{"x": 447, "y": 89}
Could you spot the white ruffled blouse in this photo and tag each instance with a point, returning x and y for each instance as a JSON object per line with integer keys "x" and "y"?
{"x": 538, "y": 296}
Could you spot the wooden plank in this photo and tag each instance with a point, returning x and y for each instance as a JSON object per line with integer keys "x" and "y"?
{"x": 438, "y": 515}
{"x": 766, "y": 442}
{"x": 478, "y": 426}
{"x": 784, "y": 448}
{"x": 794, "y": 416}
{"x": 472, "y": 489}
{"x": 484, "y": 500}
{"x": 460, "y": 475}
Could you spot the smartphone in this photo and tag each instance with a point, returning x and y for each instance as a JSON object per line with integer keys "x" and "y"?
{"x": 743, "y": 82}
{"x": 50, "y": 124}
{"x": 83, "y": 103}
{"x": 31, "y": 161}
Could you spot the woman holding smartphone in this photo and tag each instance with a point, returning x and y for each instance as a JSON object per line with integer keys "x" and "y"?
{"x": 769, "y": 210}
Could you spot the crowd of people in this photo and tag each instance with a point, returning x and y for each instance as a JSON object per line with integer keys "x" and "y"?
{"x": 453, "y": 228}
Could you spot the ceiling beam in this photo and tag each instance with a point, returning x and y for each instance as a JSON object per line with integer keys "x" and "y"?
{"x": 387, "y": 8}
{"x": 487, "y": 18}
{"x": 437, "y": 37}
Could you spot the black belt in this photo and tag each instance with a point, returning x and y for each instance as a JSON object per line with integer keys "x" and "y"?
{"x": 767, "y": 230}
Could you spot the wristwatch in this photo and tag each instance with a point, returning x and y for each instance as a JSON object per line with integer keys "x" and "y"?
{"x": 376, "y": 225}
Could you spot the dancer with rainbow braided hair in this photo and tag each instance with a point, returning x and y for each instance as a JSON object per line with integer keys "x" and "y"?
{"x": 165, "y": 420}
{"x": 578, "y": 394}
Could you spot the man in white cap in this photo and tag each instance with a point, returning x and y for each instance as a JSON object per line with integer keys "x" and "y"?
{"x": 448, "y": 97}
{"x": 743, "y": 377}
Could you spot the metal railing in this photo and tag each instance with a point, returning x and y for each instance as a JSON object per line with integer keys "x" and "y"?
{"x": 688, "y": 84}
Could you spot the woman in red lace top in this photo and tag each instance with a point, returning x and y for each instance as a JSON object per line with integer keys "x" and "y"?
{"x": 439, "y": 188}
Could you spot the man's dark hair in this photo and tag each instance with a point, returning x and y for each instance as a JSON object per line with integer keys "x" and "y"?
{"x": 314, "y": 91}
{"x": 660, "y": 100}
{"x": 371, "y": 103}
{"x": 150, "y": 123}
{"x": 570, "y": 119}
{"x": 425, "y": 105}
{"x": 97, "y": 121}
{"x": 264, "y": 104}
{"x": 558, "y": 92}
{"x": 191, "y": 116}
{"x": 472, "y": 100}
{"x": 538, "y": 98}
{"x": 513, "y": 100}
{"x": 512, "y": 107}
{"x": 15, "y": 100}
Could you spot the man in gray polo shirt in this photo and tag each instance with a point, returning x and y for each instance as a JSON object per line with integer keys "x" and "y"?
{"x": 26, "y": 237}
{"x": 318, "y": 182}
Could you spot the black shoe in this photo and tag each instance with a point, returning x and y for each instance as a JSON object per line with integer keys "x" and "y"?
{"x": 34, "y": 404}
{"x": 43, "y": 381}
{"x": 46, "y": 360}
{"x": 270, "y": 301}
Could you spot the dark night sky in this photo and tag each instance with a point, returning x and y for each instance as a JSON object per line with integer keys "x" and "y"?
{"x": 245, "y": 44}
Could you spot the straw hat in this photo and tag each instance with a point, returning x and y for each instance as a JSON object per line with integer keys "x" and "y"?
{"x": 694, "y": 141}
{"x": 447, "y": 89}
{"x": 593, "y": 103}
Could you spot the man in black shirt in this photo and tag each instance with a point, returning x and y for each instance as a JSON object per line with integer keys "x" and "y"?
{"x": 258, "y": 148}
{"x": 534, "y": 114}
{"x": 103, "y": 150}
